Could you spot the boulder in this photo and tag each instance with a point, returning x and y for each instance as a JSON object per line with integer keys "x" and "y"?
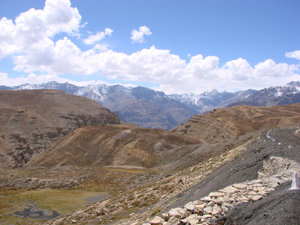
{"x": 190, "y": 206}
{"x": 157, "y": 221}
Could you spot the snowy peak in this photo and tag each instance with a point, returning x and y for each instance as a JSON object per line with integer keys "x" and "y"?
{"x": 211, "y": 99}
{"x": 272, "y": 96}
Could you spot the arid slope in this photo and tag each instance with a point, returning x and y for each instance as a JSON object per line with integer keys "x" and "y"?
{"x": 31, "y": 120}
{"x": 224, "y": 124}
{"x": 115, "y": 145}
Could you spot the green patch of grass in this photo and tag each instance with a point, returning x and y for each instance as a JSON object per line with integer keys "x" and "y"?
{"x": 62, "y": 201}
{"x": 125, "y": 170}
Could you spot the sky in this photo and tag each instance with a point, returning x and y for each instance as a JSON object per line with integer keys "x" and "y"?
{"x": 176, "y": 46}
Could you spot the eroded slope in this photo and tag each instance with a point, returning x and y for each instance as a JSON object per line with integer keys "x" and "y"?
{"x": 224, "y": 124}
{"x": 31, "y": 120}
{"x": 115, "y": 145}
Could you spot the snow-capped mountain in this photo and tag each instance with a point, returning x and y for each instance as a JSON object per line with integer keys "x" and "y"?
{"x": 272, "y": 96}
{"x": 211, "y": 99}
{"x": 149, "y": 108}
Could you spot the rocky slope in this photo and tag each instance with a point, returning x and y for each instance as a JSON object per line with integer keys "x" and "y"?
{"x": 223, "y": 124}
{"x": 31, "y": 120}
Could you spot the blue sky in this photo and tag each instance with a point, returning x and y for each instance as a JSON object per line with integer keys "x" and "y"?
{"x": 170, "y": 45}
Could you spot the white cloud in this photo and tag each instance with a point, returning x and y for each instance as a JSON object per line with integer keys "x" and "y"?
{"x": 92, "y": 39}
{"x": 7, "y": 45}
{"x": 35, "y": 27}
{"x": 61, "y": 17}
{"x": 138, "y": 35}
{"x": 30, "y": 40}
{"x": 173, "y": 74}
{"x": 294, "y": 54}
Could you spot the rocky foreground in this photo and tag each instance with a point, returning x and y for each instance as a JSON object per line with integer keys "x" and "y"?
{"x": 212, "y": 209}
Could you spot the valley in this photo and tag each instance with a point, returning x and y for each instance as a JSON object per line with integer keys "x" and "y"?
{"x": 85, "y": 166}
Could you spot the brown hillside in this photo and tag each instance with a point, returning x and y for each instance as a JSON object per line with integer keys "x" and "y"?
{"x": 223, "y": 124}
{"x": 114, "y": 145}
{"x": 31, "y": 120}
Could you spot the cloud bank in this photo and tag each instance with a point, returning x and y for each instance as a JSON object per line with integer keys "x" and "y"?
{"x": 29, "y": 41}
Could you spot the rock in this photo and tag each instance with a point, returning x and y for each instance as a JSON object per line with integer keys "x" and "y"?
{"x": 256, "y": 197}
{"x": 178, "y": 212}
{"x": 157, "y": 221}
{"x": 73, "y": 221}
{"x": 224, "y": 209}
{"x": 208, "y": 210}
{"x": 199, "y": 208}
{"x": 219, "y": 200}
{"x": 231, "y": 200}
{"x": 192, "y": 219}
{"x": 196, "y": 202}
{"x": 258, "y": 188}
{"x": 165, "y": 216}
{"x": 166, "y": 223}
{"x": 174, "y": 220}
{"x": 227, "y": 205}
{"x": 184, "y": 221}
{"x": 216, "y": 194}
{"x": 240, "y": 186}
{"x": 243, "y": 199}
{"x": 216, "y": 210}
{"x": 252, "y": 193}
{"x": 206, "y": 199}
{"x": 211, "y": 203}
{"x": 190, "y": 206}
{"x": 174, "y": 213}
{"x": 206, "y": 217}
{"x": 229, "y": 190}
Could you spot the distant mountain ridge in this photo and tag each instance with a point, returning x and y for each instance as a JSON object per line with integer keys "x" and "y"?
{"x": 155, "y": 109}
{"x": 273, "y": 96}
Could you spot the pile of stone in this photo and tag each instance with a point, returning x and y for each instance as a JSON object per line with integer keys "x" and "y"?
{"x": 217, "y": 204}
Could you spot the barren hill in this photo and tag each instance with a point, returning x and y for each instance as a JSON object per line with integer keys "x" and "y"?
{"x": 115, "y": 145}
{"x": 221, "y": 125}
{"x": 31, "y": 120}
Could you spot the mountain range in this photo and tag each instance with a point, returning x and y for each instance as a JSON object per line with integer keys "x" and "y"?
{"x": 154, "y": 109}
